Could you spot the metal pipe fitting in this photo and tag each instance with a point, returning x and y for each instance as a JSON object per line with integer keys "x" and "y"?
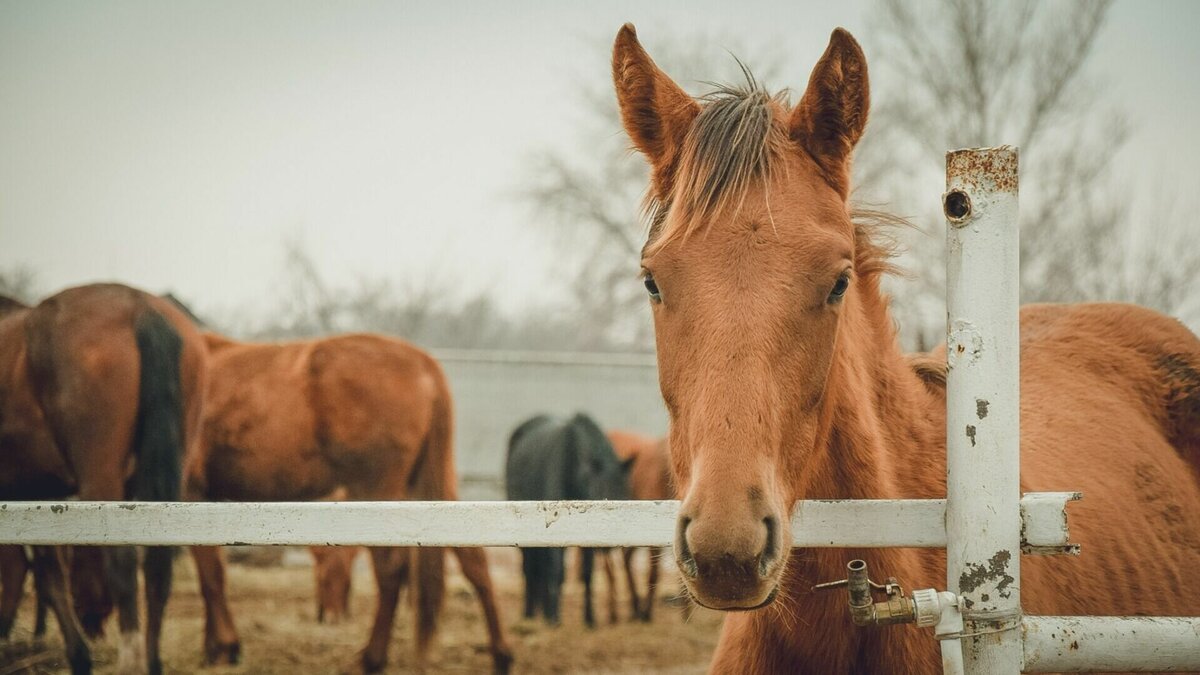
{"x": 859, "y": 585}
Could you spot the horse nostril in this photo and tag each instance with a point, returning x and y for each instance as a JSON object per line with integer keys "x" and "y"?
{"x": 687, "y": 564}
{"x": 771, "y": 548}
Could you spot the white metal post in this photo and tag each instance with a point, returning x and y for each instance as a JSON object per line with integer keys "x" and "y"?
{"x": 983, "y": 520}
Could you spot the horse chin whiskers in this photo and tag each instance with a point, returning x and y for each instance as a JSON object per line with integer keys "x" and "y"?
{"x": 766, "y": 601}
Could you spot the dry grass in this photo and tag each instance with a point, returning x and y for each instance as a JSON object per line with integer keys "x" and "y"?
{"x": 276, "y": 617}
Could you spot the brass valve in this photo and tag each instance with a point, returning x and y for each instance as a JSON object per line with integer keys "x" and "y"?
{"x": 864, "y": 611}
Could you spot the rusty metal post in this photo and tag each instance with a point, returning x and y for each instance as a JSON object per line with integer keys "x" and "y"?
{"x": 983, "y": 517}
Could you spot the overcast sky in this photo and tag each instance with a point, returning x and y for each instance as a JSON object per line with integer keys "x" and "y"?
{"x": 178, "y": 145}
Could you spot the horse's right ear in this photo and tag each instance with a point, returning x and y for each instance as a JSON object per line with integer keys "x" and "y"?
{"x": 656, "y": 112}
{"x": 627, "y": 464}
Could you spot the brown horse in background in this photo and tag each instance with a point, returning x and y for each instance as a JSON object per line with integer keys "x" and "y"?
{"x": 333, "y": 567}
{"x": 779, "y": 363}
{"x": 298, "y": 421}
{"x": 14, "y": 566}
{"x": 650, "y": 478}
{"x": 101, "y": 389}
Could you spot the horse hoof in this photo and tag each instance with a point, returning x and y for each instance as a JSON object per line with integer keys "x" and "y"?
{"x": 502, "y": 662}
{"x": 226, "y": 654}
{"x": 80, "y": 659}
{"x": 364, "y": 663}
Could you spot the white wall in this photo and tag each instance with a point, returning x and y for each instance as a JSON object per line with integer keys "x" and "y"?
{"x": 496, "y": 391}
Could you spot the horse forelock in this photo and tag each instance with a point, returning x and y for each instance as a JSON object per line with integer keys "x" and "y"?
{"x": 735, "y": 141}
{"x": 738, "y": 141}
{"x": 8, "y": 304}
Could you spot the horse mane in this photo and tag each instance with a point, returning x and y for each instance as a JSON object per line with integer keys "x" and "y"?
{"x": 187, "y": 311}
{"x": 739, "y": 138}
{"x": 595, "y": 443}
{"x": 8, "y": 304}
{"x": 930, "y": 367}
{"x": 217, "y": 342}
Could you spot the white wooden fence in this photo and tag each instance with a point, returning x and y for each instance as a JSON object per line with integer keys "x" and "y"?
{"x": 983, "y": 513}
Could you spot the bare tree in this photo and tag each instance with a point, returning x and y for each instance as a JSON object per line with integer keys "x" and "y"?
{"x": 967, "y": 73}
{"x": 427, "y": 312}
{"x": 584, "y": 194}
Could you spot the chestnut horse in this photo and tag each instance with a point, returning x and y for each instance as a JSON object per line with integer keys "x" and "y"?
{"x": 333, "y": 566}
{"x": 299, "y": 421}
{"x": 780, "y": 368}
{"x": 101, "y": 389}
{"x": 650, "y": 478}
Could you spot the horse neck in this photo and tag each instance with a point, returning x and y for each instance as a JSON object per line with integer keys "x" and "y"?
{"x": 879, "y": 421}
{"x": 881, "y": 436}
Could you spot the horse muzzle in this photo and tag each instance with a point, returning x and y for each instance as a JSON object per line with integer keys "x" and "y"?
{"x": 730, "y": 569}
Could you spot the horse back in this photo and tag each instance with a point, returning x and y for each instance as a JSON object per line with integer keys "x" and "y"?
{"x": 296, "y": 420}
{"x": 536, "y": 464}
{"x": 1110, "y": 406}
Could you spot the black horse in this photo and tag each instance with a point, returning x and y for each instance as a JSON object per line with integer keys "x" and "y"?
{"x": 551, "y": 458}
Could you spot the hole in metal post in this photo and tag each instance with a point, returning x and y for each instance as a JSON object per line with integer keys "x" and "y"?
{"x": 957, "y": 205}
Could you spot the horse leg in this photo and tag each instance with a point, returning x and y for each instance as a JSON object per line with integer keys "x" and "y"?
{"x": 473, "y": 562}
{"x": 50, "y": 573}
{"x": 90, "y": 587}
{"x": 553, "y": 571}
{"x": 610, "y": 574}
{"x": 109, "y": 571}
{"x": 585, "y": 573}
{"x": 635, "y": 602}
{"x": 13, "y": 568}
{"x": 221, "y": 644}
{"x": 43, "y": 602}
{"x": 652, "y": 589}
{"x": 391, "y": 571}
{"x": 120, "y": 570}
{"x": 156, "y": 567}
{"x": 529, "y": 569}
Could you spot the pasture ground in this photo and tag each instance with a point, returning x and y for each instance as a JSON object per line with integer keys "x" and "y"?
{"x": 275, "y": 613}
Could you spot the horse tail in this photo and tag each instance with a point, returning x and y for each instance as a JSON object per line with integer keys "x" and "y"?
{"x": 434, "y": 479}
{"x": 158, "y": 435}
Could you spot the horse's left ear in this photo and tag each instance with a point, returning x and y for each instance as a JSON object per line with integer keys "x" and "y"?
{"x": 832, "y": 114}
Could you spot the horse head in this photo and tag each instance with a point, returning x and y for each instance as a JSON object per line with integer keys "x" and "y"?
{"x": 599, "y": 473}
{"x": 754, "y": 271}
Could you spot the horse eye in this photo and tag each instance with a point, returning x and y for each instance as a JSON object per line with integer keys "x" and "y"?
{"x": 839, "y": 289}
{"x": 652, "y": 288}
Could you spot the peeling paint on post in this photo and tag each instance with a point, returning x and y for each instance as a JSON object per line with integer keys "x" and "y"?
{"x": 983, "y": 517}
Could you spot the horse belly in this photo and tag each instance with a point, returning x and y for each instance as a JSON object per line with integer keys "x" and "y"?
{"x": 235, "y": 474}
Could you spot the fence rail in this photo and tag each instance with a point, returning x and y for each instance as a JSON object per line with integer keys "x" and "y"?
{"x": 848, "y": 523}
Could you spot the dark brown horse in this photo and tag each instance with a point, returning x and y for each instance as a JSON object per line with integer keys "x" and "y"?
{"x": 100, "y": 396}
{"x": 779, "y": 363}
{"x": 650, "y": 478}
{"x": 299, "y": 421}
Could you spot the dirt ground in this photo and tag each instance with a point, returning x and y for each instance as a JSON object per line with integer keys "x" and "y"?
{"x": 275, "y": 613}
